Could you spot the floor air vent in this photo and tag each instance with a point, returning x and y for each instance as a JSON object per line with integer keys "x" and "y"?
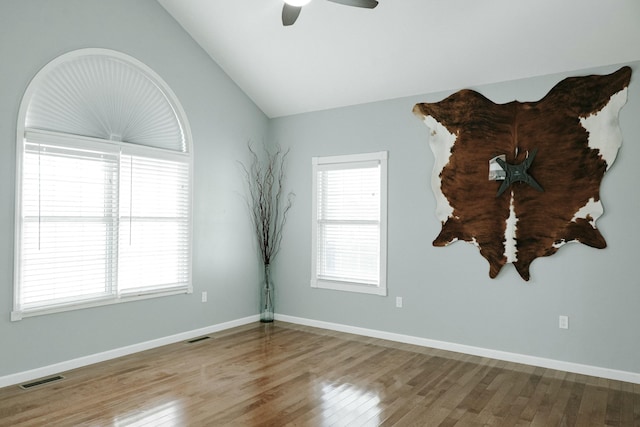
{"x": 197, "y": 339}
{"x": 41, "y": 382}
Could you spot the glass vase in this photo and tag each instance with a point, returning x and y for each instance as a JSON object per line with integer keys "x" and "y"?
{"x": 266, "y": 297}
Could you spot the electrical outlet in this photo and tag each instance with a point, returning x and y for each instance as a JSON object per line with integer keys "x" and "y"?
{"x": 563, "y": 322}
{"x": 204, "y": 296}
{"x": 399, "y": 302}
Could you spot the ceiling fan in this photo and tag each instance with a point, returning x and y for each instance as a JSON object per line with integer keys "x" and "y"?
{"x": 292, "y": 8}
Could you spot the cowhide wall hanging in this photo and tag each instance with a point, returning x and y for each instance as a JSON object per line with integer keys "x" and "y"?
{"x": 521, "y": 179}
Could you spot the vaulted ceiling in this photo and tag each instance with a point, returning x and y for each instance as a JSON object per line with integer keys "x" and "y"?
{"x": 336, "y": 55}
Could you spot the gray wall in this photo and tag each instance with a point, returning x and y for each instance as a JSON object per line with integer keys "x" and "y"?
{"x": 447, "y": 292}
{"x": 222, "y": 120}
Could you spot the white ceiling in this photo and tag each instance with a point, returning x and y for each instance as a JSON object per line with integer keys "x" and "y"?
{"x": 336, "y": 55}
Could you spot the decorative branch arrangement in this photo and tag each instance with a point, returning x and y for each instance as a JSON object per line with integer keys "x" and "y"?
{"x": 267, "y": 203}
{"x": 268, "y": 206}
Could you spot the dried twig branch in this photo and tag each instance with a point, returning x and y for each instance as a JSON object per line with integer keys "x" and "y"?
{"x": 267, "y": 203}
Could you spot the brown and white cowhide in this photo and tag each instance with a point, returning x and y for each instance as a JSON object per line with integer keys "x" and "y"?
{"x": 576, "y": 133}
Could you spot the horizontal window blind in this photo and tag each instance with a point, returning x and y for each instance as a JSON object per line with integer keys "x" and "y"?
{"x": 154, "y": 225}
{"x": 349, "y": 224}
{"x": 100, "y": 221}
{"x": 69, "y": 206}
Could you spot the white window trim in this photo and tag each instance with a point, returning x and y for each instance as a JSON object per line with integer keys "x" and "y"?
{"x": 23, "y": 132}
{"x": 351, "y": 161}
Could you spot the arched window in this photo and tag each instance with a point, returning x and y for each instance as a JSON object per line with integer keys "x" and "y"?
{"x": 103, "y": 186}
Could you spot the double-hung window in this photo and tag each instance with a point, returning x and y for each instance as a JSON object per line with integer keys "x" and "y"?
{"x": 103, "y": 200}
{"x": 349, "y": 223}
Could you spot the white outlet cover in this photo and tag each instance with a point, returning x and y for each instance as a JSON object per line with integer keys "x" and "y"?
{"x": 563, "y": 322}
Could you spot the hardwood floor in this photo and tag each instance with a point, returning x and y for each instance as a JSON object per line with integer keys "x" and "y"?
{"x": 282, "y": 374}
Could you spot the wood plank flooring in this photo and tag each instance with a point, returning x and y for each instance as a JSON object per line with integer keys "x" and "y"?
{"x": 282, "y": 374}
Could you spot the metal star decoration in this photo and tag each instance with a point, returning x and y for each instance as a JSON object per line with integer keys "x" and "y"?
{"x": 518, "y": 173}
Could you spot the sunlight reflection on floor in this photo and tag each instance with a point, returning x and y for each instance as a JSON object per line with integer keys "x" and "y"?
{"x": 166, "y": 414}
{"x": 347, "y": 404}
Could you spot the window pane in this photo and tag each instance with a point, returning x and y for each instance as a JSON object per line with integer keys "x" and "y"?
{"x": 64, "y": 261}
{"x": 349, "y": 252}
{"x": 154, "y": 224}
{"x": 68, "y": 223}
{"x": 349, "y": 194}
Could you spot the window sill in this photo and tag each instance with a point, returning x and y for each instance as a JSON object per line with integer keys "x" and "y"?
{"x": 17, "y": 315}
{"x": 349, "y": 287}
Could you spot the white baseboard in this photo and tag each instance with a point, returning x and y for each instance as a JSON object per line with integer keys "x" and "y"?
{"x": 22, "y": 377}
{"x": 57, "y": 368}
{"x": 596, "y": 371}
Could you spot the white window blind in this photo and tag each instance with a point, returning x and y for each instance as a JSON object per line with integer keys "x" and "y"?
{"x": 100, "y": 220}
{"x": 69, "y": 206}
{"x": 349, "y": 223}
{"x": 154, "y": 224}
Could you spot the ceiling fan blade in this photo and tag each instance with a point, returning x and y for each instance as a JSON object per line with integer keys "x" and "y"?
{"x": 290, "y": 14}
{"x": 368, "y": 4}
